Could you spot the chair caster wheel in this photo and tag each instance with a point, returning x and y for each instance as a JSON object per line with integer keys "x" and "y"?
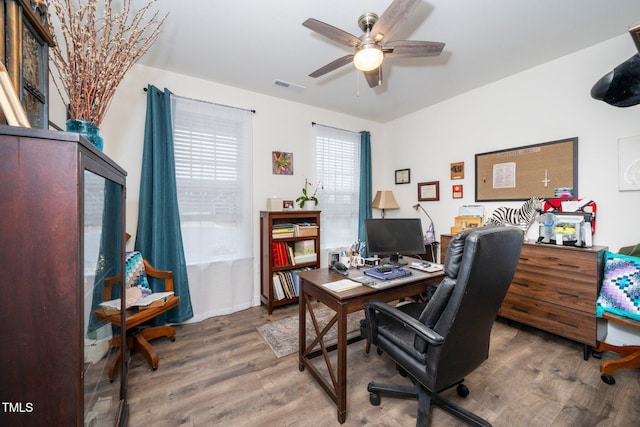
{"x": 374, "y": 398}
{"x": 172, "y": 339}
{"x": 379, "y": 351}
{"x": 154, "y": 368}
{"x": 596, "y": 354}
{"x": 463, "y": 390}
{"x": 402, "y": 372}
{"x": 608, "y": 379}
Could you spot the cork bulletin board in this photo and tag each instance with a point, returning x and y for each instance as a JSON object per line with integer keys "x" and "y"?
{"x": 544, "y": 170}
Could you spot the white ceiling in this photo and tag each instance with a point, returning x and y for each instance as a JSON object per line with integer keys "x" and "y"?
{"x": 251, "y": 43}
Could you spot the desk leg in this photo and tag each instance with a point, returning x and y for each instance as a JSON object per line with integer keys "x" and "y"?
{"x": 341, "y": 388}
{"x": 302, "y": 325}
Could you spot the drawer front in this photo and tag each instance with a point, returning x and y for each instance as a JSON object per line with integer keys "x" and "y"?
{"x": 564, "y": 276}
{"x": 569, "y": 290}
{"x": 573, "y": 324}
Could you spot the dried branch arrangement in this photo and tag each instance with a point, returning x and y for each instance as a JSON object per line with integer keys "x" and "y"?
{"x": 97, "y": 51}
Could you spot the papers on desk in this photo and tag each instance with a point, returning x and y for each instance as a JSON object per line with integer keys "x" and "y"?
{"x": 156, "y": 299}
{"x": 341, "y": 285}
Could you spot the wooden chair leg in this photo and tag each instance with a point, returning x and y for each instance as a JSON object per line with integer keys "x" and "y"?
{"x": 143, "y": 346}
{"x": 630, "y": 361}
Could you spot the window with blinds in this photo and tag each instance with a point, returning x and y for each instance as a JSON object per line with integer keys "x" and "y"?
{"x": 212, "y": 146}
{"x": 338, "y": 170}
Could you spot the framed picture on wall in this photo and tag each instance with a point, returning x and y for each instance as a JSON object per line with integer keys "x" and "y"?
{"x": 429, "y": 191}
{"x": 403, "y": 176}
{"x": 457, "y": 170}
{"x": 457, "y": 191}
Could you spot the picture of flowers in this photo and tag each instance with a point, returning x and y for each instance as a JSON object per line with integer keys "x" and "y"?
{"x": 282, "y": 163}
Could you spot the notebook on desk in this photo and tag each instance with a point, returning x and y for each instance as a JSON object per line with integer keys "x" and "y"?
{"x": 387, "y": 273}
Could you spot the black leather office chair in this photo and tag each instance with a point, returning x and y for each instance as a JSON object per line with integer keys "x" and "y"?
{"x": 436, "y": 344}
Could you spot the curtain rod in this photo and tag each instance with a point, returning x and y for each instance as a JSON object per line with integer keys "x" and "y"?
{"x": 332, "y": 127}
{"x": 214, "y": 103}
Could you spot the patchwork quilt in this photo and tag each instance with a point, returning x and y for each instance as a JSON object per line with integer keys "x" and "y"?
{"x": 135, "y": 275}
{"x": 620, "y": 292}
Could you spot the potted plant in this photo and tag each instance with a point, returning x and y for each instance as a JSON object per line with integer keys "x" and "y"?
{"x": 305, "y": 200}
{"x": 95, "y": 54}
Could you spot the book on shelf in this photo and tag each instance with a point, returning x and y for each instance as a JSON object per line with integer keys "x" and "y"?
{"x": 278, "y": 292}
{"x": 286, "y": 284}
{"x": 281, "y": 231}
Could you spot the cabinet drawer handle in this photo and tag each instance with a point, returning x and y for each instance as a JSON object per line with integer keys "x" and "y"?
{"x": 522, "y": 310}
{"x": 574, "y": 325}
{"x": 523, "y": 258}
{"x": 568, "y": 265}
{"x": 526, "y": 285}
{"x": 567, "y": 294}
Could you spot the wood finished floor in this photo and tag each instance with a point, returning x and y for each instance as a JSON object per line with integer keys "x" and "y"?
{"x": 221, "y": 372}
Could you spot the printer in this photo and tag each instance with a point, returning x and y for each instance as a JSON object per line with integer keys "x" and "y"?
{"x": 565, "y": 229}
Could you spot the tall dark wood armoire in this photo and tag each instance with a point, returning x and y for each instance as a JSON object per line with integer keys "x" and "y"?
{"x": 62, "y": 214}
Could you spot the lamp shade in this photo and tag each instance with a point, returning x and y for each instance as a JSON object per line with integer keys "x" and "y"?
{"x": 368, "y": 58}
{"x": 384, "y": 200}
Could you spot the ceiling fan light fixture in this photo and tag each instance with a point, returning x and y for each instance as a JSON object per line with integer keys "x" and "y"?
{"x": 368, "y": 58}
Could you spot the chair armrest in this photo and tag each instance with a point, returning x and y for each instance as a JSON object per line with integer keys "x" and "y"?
{"x": 429, "y": 335}
{"x": 108, "y": 284}
{"x": 159, "y": 274}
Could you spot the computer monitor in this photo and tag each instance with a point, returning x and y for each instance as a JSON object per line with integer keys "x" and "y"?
{"x": 394, "y": 237}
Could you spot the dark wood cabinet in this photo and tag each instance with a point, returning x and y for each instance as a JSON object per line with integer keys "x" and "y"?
{"x": 62, "y": 228}
{"x": 555, "y": 289}
{"x": 279, "y": 255}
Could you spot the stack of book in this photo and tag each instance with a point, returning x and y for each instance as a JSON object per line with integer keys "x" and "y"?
{"x": 286, "y": 284}
{"x": 281, "y": 231}
{"x": 282, "y": 254}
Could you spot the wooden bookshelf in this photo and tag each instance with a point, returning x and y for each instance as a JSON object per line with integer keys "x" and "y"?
{"x": 287, "y": 238}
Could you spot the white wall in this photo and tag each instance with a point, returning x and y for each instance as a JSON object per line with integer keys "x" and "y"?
{"x": 547, "y": 103}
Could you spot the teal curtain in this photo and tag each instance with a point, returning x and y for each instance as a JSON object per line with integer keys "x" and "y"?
{"x": 158, "y": 236}
{"x": 364, "y": 209}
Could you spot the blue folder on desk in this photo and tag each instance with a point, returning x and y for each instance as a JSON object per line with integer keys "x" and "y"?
{"x": 396, "y": 273}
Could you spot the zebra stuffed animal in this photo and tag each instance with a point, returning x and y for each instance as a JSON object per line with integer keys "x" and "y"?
{"x": 522, "y": 217}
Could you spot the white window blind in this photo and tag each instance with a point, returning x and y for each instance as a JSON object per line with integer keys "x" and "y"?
{"x": 212, "y": 146}
{"x": 338, "y": 170}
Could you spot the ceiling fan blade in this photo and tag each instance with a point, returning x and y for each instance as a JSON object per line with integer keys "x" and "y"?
{"x": 374, "y": 77}
{"x": 332, "y": 66}
{"x": 331, "y": 32}
{"x": 412, "y": 48}
{"x": 396, "y": 13}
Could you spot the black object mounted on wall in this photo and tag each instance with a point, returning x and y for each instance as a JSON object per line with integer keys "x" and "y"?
{"x": 621, "y": 87}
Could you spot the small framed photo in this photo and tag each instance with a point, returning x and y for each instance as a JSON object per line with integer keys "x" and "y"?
{"x": 403, "y": 176}
{"x": 457, "y": 191}
{"x": 457, "y": 170}
{"x": 429, "y": 191}
{"x": 287, "y": 204}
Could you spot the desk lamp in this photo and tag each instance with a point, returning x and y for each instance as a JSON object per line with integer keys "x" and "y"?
{"x": 430, "y": 234}
{"x": 384, "y": 200}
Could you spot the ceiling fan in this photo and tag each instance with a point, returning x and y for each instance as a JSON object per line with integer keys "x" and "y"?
{"x": 375, "y": 44}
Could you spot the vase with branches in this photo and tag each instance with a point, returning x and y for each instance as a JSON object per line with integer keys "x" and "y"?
{"x": 96, "y": 52}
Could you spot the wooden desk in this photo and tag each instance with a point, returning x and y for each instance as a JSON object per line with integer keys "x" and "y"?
{"x": 342, "y": 303}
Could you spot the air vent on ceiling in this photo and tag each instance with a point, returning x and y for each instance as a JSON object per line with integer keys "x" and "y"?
{"x": 287, "y": 85}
